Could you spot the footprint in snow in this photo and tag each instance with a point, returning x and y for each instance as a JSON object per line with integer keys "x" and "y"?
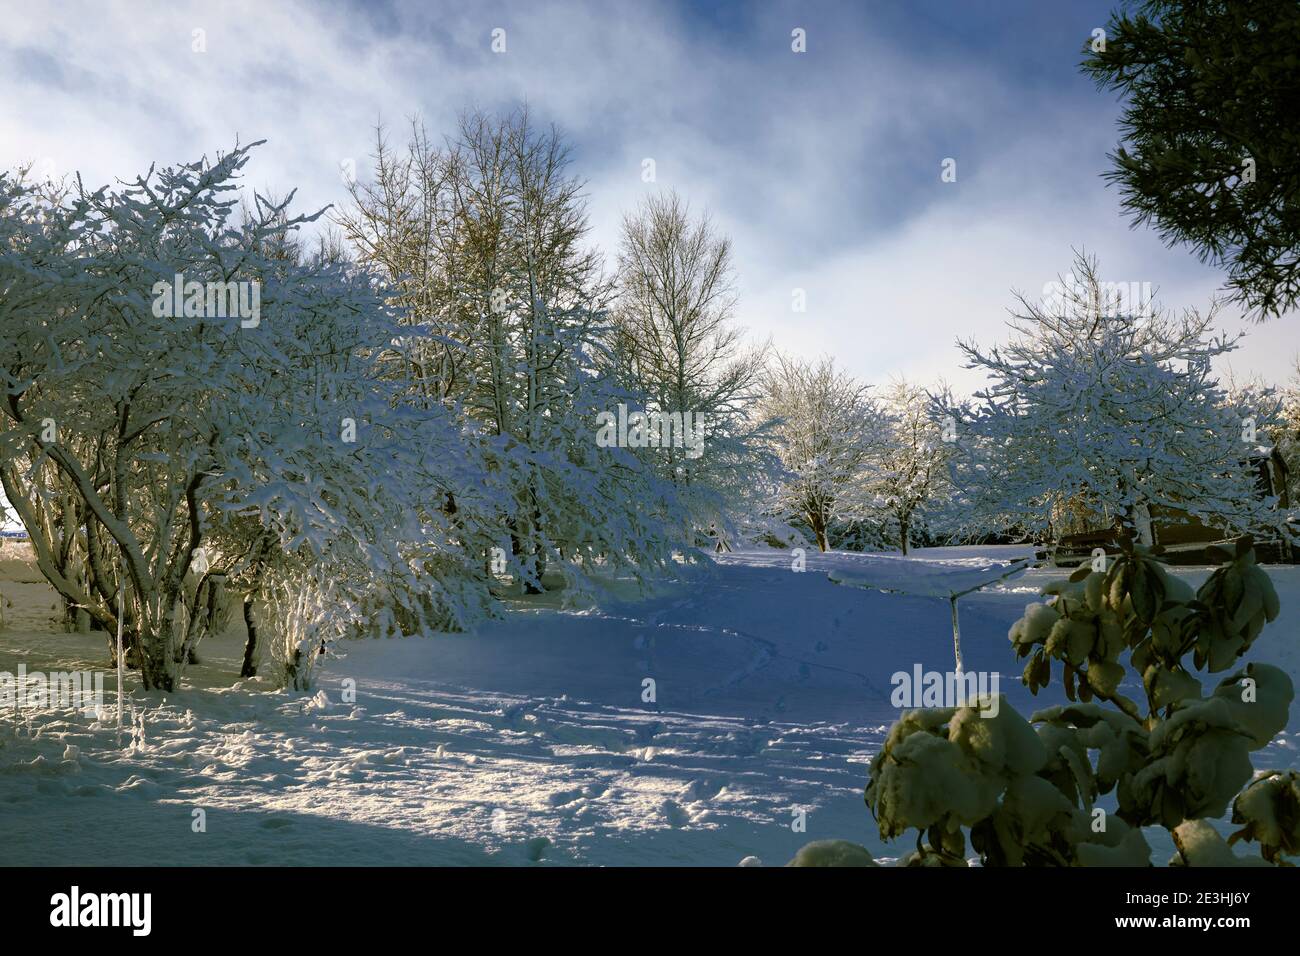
{"x": 562, "y": 798}
{"x": 647, "y": 732}
{"x": 674, "y": 813}
{"x": 701, "y": 789}
{"x": 140, "y": 787}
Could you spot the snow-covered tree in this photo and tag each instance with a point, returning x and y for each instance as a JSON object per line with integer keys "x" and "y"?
{"x": 1027, "y": 791}
{"x": 1275, "y": 418}
{"x": 909, "y": 484}
{"x": 179, "y": 372}
{"x": 483, "y": 244}
{"x": 828, "y": 433}
{"x": 403, "y": 222}
{"x": 677, "y": 350}
{"x": 1107, "y": 411}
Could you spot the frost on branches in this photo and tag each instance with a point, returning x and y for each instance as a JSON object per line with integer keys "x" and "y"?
{"x": 910, "y": 488}
{"x": 829, "y": 433}
{"x": 1098, "y": 416}
{"x": 674, "y": 348}
{"x": 481, "y": 247}
{"x": 199, "y": 413}
{"x": 152, "y": 449}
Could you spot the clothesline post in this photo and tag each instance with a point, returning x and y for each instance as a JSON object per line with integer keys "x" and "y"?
{"x": 956, "y": 633}
{"x": 952, "y": 589}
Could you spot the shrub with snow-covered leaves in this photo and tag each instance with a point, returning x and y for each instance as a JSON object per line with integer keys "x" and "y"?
{"x": 1027, "y": 791}
{"x": 1270, "y": 810}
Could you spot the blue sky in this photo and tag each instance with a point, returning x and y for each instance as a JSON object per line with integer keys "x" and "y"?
{"x": 823, "y": 166}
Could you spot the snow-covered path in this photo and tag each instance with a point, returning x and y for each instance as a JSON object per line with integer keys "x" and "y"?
{"x": 527, "y": 741}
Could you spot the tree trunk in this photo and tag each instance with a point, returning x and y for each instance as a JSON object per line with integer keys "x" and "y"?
{"x": 249, "y": 669}
{"x": 819, "y": 529}
{"x": 903, "y": 528}
{"x": 76, "y": 620}
{"x": 1135, "y": 522}
{"x": 155, "y": 661}
{"x": 525, "y": 546}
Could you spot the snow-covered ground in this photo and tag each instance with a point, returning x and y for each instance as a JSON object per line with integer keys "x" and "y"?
{"x": 528, "y": 741}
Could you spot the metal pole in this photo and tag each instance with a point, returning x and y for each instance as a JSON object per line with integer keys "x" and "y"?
{"x": 956, "y": 633}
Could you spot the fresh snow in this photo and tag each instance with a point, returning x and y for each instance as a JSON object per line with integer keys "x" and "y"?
{"x": 526, "y": 741}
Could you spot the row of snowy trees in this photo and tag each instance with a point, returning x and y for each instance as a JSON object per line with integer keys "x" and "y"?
{"x": 481, "y": 246}
{"x": 854, "y": 459}
{"x": 373, "y": 433}
{"x": 1096, "y": 416}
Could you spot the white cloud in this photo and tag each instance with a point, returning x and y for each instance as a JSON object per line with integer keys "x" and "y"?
{"x": 824, "y": 166}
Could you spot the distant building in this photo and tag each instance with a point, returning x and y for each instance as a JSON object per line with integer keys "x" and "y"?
{"x": 1185, "y": 537}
